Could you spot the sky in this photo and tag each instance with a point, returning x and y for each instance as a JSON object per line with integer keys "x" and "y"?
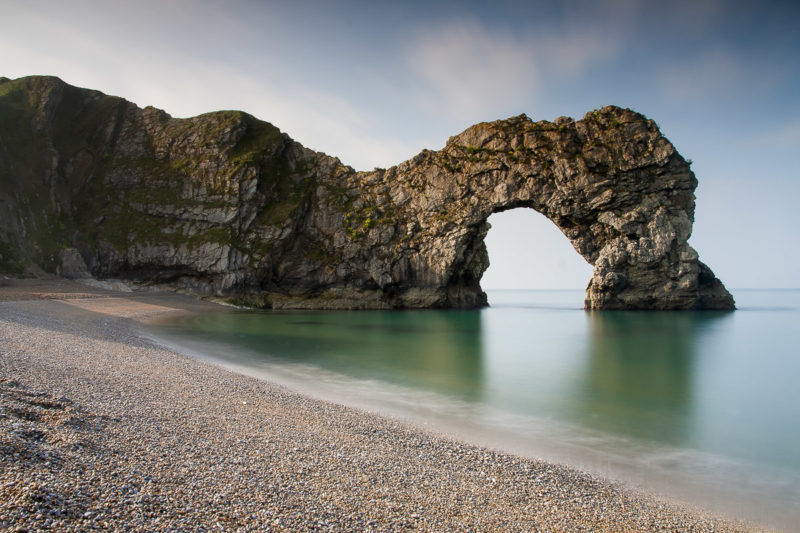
{"x": 375, "y": 82}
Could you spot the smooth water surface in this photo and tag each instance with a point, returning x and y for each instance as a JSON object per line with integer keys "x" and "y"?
{"x": 695, "y": 404}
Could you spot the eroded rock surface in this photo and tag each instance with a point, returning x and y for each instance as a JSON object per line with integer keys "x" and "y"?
{"x": 225, "y": 204}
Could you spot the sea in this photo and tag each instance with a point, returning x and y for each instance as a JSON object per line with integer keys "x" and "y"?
{"x": 699, "y": 407}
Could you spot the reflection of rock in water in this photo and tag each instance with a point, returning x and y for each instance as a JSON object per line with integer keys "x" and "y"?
{"x": 439, "y": 351}
{"x": 638, "y": 379}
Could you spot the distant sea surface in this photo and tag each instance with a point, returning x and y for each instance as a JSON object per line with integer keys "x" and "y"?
{"x": 700, "y": 406}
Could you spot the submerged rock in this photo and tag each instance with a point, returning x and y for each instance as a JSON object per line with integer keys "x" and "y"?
{"x": 227, "y": 205}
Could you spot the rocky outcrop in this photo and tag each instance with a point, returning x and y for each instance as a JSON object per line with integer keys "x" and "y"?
{"x": 72, "y": 265}
{"x": 225, "y": 204}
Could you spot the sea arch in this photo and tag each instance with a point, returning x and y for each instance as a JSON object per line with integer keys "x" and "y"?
{"x": 615, "y": 187}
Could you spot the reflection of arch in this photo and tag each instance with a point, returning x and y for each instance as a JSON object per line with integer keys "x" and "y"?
{"x": 639, "y": 377}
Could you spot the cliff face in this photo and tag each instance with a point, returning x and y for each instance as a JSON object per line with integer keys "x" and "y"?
{"x": 226, "y": 204}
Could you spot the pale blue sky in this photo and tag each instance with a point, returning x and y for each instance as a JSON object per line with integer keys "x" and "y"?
{"x": 375, "y": 82}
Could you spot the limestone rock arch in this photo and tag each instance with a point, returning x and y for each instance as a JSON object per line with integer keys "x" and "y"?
{"x": 614, "y": 186}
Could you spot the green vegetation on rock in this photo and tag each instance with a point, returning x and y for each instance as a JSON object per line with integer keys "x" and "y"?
{"x": 10, "y": 261}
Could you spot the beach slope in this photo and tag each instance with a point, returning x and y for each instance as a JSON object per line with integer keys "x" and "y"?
{"x": 102, "y": 429}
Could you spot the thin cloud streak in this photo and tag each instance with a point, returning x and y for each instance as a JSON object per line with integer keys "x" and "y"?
{"x": 714, "y": 75}
{"x": 463, "y": 67}
{"x": 784, "y": 137}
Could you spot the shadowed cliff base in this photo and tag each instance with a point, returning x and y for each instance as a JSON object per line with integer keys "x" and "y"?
{"x": 226, "y": 205}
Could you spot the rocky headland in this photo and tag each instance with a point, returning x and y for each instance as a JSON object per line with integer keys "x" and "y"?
{"x": 224, "y": 204}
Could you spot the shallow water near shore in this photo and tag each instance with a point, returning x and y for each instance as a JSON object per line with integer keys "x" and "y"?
{"x": 702, "y": 406}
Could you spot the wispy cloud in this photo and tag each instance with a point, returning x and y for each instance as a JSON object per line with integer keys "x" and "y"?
{"x": 785, "y": 136}
{"x": 463, "y": 66}
{"x": 716, "y": 74}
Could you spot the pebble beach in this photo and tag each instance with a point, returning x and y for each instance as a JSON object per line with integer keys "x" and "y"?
{"x": 102, "y": 429}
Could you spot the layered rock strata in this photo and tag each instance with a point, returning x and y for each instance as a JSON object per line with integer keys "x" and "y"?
{"x": 227, "y": 205}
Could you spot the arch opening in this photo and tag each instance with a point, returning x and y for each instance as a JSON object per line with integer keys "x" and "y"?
{"x": 528, "y": 252}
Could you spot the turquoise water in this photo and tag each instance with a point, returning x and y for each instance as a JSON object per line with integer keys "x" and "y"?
{"x": 697, "y": 405}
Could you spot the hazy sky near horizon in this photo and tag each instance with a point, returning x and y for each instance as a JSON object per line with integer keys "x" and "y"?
{"x": 373, "y": 83}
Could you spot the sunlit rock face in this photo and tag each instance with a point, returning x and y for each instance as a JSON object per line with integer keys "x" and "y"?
{"x": 224, "y": 204}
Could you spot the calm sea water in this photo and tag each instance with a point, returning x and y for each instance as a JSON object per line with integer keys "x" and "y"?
{"x": 702, "y": 406}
